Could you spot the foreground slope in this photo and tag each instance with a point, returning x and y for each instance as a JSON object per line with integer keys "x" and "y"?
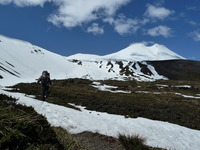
{"x": 158, "y": 133}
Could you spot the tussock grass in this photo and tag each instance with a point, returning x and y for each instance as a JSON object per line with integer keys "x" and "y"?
{"x": 22, "y": 128}
{"x": 134, "y": 142}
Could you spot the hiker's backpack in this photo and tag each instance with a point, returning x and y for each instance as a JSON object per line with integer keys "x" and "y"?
{"x": 45, "y": 78}
{"x": 45, "y": 74}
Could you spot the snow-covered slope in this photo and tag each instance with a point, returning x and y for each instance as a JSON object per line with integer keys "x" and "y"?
{"x": 21, "y": 61}
{"x": 84, "y": 57}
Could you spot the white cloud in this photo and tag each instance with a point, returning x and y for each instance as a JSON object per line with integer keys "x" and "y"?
{"x": 95, "y": 29}
{"x": 23, "y": 3}
{"x": 160, "y": 2}
{"x": 160, "y": 31}
{"x": 194, "y": 23}
{"x": 195, "y": 35}
{"x": 72, "y": 13}
{"x": 123, "y": 25}
{"x": 155, "y": 12}
{"x": 76, "y": 12}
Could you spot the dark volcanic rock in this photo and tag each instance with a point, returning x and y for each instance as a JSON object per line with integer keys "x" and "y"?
{"x": 178, "y": 69}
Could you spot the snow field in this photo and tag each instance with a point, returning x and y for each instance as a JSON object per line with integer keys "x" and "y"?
{"x": 158, "y": 133}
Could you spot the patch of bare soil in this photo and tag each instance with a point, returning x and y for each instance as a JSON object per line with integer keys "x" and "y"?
{"x": 95, "y": 141}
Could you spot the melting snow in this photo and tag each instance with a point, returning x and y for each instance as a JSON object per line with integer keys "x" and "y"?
{"x": 158, "y": 133}
{"x": 187, "y": 96}
{"x": 104, "y": 87}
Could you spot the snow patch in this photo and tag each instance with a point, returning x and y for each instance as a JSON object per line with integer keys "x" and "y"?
{"x": 187, "y": 96}
{"x": 104, "y": 87}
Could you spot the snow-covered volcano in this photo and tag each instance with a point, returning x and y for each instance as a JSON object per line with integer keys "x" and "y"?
{"x": 141, "y": 52}
{"x": 135, "y": 52}
{"x": 21, "y": 61}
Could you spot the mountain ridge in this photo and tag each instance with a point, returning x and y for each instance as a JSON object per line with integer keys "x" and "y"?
{"x": 134, "y": 52}
{"x": 20, "y": 61}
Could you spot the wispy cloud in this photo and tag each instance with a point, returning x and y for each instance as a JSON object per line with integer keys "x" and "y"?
{"x": 194, "y": 23}
{"x": 160, "y": 31}
{"x": 95, "y": 29}
{"x": 5, "y": 2}
{"x": 124, "y": 25}
{"x": 157, "y": 12}
{"x": 195, "y": 35}
{"x": 193, "y": 8}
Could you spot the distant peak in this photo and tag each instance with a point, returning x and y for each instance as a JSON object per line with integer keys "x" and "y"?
{"x": 144, "y": 51}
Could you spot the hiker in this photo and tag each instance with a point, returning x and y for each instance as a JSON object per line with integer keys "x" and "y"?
{"x": 45, "y": 82}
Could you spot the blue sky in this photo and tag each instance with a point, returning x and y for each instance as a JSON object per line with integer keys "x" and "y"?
{"x": 102, "y": 27}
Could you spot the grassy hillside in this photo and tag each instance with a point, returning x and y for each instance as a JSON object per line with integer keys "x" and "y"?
{"x": 22, "y": 128}
{"x": 160, "y": 100}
